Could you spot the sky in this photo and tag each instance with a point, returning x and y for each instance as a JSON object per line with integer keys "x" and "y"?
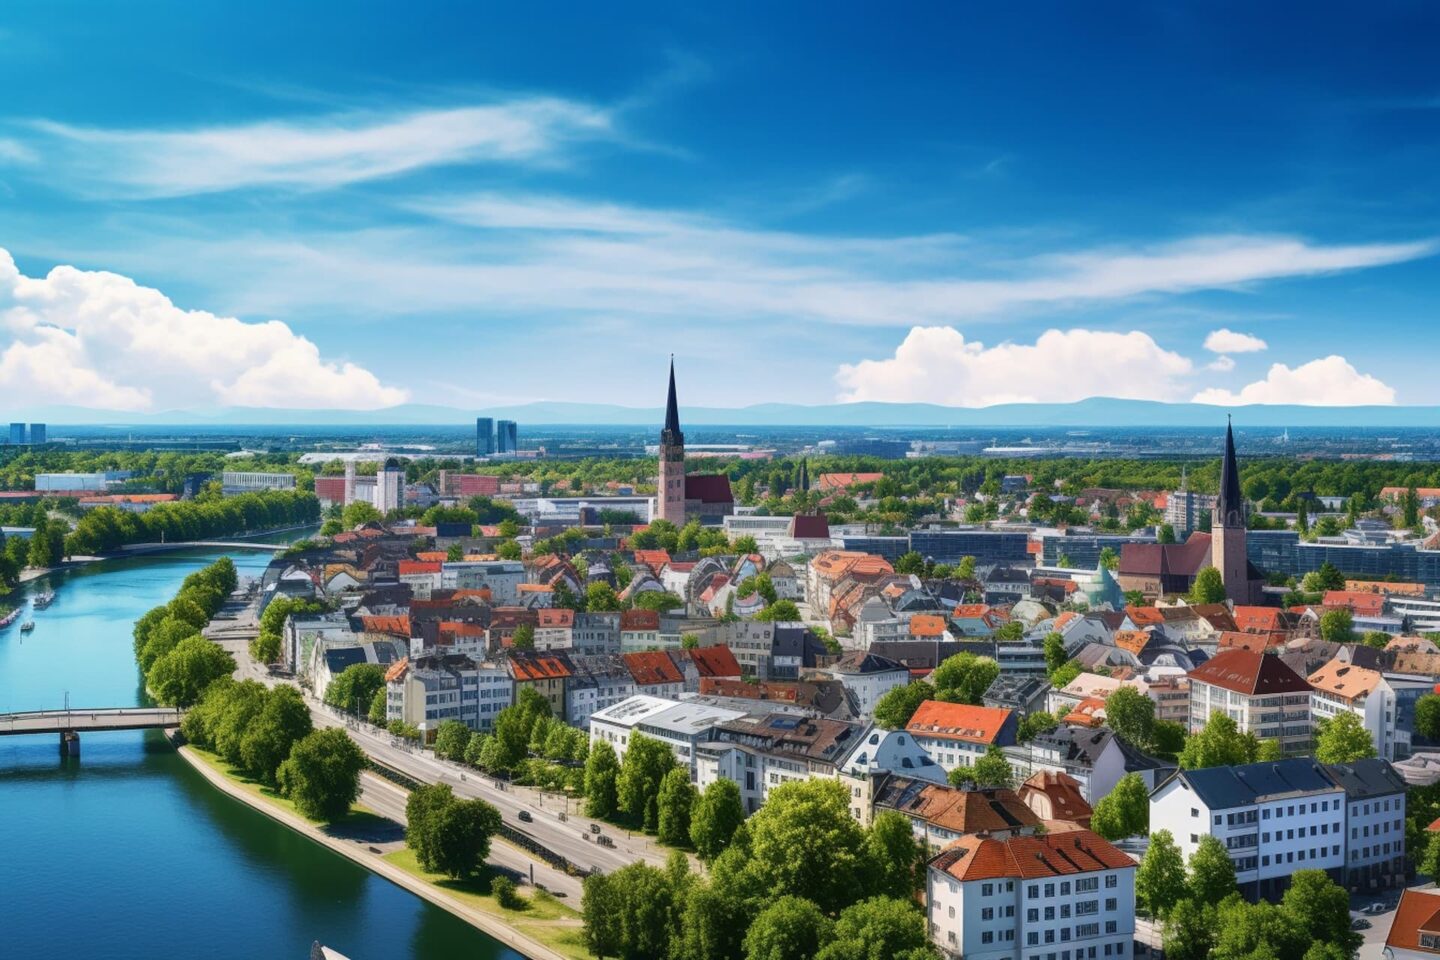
{"x": 302, "y": 205}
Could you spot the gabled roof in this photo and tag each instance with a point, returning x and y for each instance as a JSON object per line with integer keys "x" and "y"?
{"x": 714, "y": 662}
{"x": 555, "y": 617}
{"x": 1030, "y": 857}
{"x": 1368, "y": 778}
{"x": 397, "y": 669}
{"x": 1345, "y": 680}
{"x": 1067, "y": 800}
{"x": 395, "y": 626}
{"x": 995, "y": 810}
{"x": 532, "y": 665}
{"x": 1253, "y": 674}
{"x": 863, "y": 662}
{"x": 652, "y": 667}
{"x": 417, "y": 567}
{"x": 1222, "y": 788}
{"x": 1418, "y": 913}
{"x": 808, "y": 527}
{"x": 958, "y": 721}
{"x": 1363, "y": 603}
{"x": 708, "y": 488}
{"x": 639, "y": 620}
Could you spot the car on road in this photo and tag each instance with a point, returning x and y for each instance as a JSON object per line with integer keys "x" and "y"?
{"x": 1360, "y": 923}
{"x": 525, "y": 817}
{"x": 594, "y": 828}
{"x": 1375, "y": 908}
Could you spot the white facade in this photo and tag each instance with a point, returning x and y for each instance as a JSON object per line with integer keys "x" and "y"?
{"x": 500, "y": 577}
{"x": 389, "y": 488}
{"x": 679, "y": 725}
{"x": 1375, "y": 710}
{"x": 870, "y": 687}
{"x": 433, "y": 690}
{"x": 233, "y": 482}
{"x": 1070, "y": 916}
{"x": 1281, "y": 716}
{"x": 1375, "y": 840}
{"x": 891, "y": 751}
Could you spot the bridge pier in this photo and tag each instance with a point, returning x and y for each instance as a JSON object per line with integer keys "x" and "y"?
{"x": 69, "y": 743}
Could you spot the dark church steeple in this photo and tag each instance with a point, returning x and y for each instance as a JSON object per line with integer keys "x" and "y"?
{"x": 671, "y": 435}
{"x": 1230, "y": 507}
{"x": 804, "y": 475}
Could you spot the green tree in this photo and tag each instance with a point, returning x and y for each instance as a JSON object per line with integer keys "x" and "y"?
{"x": 354, "y": 688}
{"x": 602, "y": 771}
{"x": 1065, "y": 675}
{"x": 1166, "y": 533}
{"x": 895, "y": 860}
{"x": 1208, "y": 587}
{"x": 523, "y": 638}
{"x": 1160, "y": 880}
{"x": 965, "y": 569}
{"x": 1342, "y": 739}
{"x": 1124, "y": 811}
{"x": 630, "y": 913}
{"x": 804, "y": 842}
{"x": 266, "y": 648}
{"x": 600, "y": 596}
{"x": 894, "y": 710}
{"x": 283, "y": 721}
{"x": 781, "y": 611}
{"x": 358, "y": 513}
{"x": 181, "y": 676}
{"x": 646, "y": 763}
{"x": 322, "y": 774}
{"x": 1189, "y": 931}
{"x": 1375, "y": 638}
{"x": 422, "y": 808}
{"x": 40, "y": 554}
{"x": 880, "y": 927}
{"x": 676, "y": 800}
{"x": 910, "y": 563}
{"x": 1337, "y": 626}
{"x": 964, "y": 678}
{"x": 991, "y": 770}
{"x": 451, "y": 739}
{"x": 1131, "y": 715}
{"x": 454, "y": 553}
{"x": 1321, "y": 910}
{"x": 1211, "y": 875}
{"x": 1055, "y": 655}
{"x": 1035, "y": 724}
{"x": 1219, "y": 744}
{"x": 1427, "y": 717}
{"x": 791, "y": 928}
{"x": 378, "y": 708}
{"x": 1109, "y": 559}
{"x": 460, "y": 837}
{"x": 718, "y": 813}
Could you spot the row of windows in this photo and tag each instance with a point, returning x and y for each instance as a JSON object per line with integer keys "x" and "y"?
{"x": 1082, "y": 954}
{"x": 1382, "y": 849}
{"x": 1033, "y": 937}
{"x": 1032, "y": 892}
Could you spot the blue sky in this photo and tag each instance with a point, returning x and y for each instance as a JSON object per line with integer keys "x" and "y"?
{"x": 469, "y": 205}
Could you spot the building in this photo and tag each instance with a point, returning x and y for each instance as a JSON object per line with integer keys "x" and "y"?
{"x": 678, "y": 495}
{"x": 940, "y": 814}
{"x": 1187, "y": 511}
{"x": 1056, "y": 797}
{"x": 1273, "y": 818}
{"x": 426, "y": 691}
{"x": 38, "y": 435}
{"x": 1415, "y": 931}
{"x": 957, "y": 734}
{"x": 484, "y": 436}
{"x": 390, "y": 486}
{"x": 236, "y": 482}
{"x": 1093, "y": 757}
{"x": 77, "y": 481}
{"x": 1069, "y": 893}
{"x": 506, "y": 437}
{"x": 1227, "y": 541}
{"x": 598, "y": 683}
{"x": 1256, "y": 690}
{"x": 869, "y": 677}
{"x": 760, "y": 753}
{"x": 1343, "y": 687}
{"x": 680, "y": 725}
{"x": 17, "y": 434}
{"x": 1374, "y": 824}
{"x": 501, "y": 577}
{"x": 543, "y": 672}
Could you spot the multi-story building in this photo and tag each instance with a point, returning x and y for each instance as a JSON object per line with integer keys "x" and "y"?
{"x": 759, "y": 754}
{"x": 597, "y": 632}
{"x": 1187, "y": 511}
{"x": 390, "y": 486}
{"x": 1256, "y": 690}
{"x": 1415, "y": 931}
{"x": 1273, "y": 818}
{"x": 597, "y": 683}
{"x": 1070, "y": 894}
{"x": 234, "y": 482}
{"x": 506, "y": 437}
{"x": 501, "y": 577}
{"x": 1093, "y": 756}
{"x": 639, "y": 630}
{"x": 554, "y": 629}
{"x": 940, "y": 814}
{"x": 428, "y": 690}
{"x": 38, "y": 435}
{"x": 1374, "y": 824}
{"x": 17, "y": 434}
{"x": 869, "y": 677}
{"x": 543, "y": 672}
{"x": 484, "y": 436}
{"x": 1341, "y": 687}
{"x": 957, "y": 734}
{"x": 680, "y": 725}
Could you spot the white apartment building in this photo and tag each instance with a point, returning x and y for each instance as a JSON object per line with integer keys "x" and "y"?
{"x": 1340, "y": 687}
{"x": 501, "y": 577}
{"x": 760, "y": 754}
{"x": 869, "y": 677}
{"x": 1060, "y": 896}
{"x": 597, "y": 683}
{"x": 957, "y": 734}
{"x": 1259, "y": 692}
{"x": 426, "y": 691}
{"x": 1273, "y": 818}
{"x": 1374, "y": 824}
{"x": 234, "y": 482}
{"x": 681, "y": 725}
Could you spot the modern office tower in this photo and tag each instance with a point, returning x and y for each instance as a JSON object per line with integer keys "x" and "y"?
{"x": 17, "y": 433}
{"x": 506, "y": 437}
{"x": 484, "y": 436}
{"x": 37, "y": 434}
{"x": 390, "y": 486}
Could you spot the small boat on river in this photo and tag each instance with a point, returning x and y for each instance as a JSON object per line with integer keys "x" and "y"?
{"x": 42, "y": 600}
{"x": 27, "y": 626}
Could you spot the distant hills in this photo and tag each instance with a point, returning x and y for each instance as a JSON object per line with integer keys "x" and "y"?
{"x": 1095, "y": 412}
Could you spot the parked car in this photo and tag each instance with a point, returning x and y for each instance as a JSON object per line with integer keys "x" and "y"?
{"x": 594, "y": 828}
{"x": 1360, "y": 923}
{"x": 1375, "y": 908}
{"x": 525, "y": 817}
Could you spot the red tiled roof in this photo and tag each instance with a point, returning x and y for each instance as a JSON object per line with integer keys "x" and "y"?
{"x": 1418, "y": 912}
{"x": 651, "y": 667}
{"x": 556, "y": 617}
{"x": 927, "y": 625}
{"x": 840, "y": 481}
{"x": 417, "y": 567}
{"x": 1153, "y": 559}
{"x": 397, "y": 669}
{"x": 528, "y": 665}
{"x": 639, "y": 620}
{"x": 1363, "y": 603}
{"x": 432, "y": 556}
{"x": 1145, "y": 616}
{"x": 715, "y": 662}
{"x": 397, "y": 626}
{"x": 1253, "y": 674}
{"x": 1067, "y": 801}
{"x": 957, "y": 721}
{"x": 1029, "y": 857}
{"x": 807, "y": 527}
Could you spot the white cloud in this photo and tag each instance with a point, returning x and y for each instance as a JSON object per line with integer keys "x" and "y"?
{"x": 1221, "y": 365}
{"x": 101, "y": 340}
{"x": 1228, "y": 341}
{"x": 938, "y": 365}
{"x": 314, "y": 153}
{"x": 1330, "y": 381}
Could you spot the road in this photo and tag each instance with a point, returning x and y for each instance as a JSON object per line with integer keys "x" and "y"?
{"x": 572, "y": 838}
{"x": 81, "y": 719}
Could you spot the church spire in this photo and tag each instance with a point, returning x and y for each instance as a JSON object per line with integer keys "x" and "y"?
{"x": 1230, "y": 507}
{"x": 671, "y": 435}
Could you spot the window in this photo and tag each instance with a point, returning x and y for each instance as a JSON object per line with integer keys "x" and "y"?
{"x": 1032, "y": 939}
{"x": 988, "y": 913}
{"x": 1032, "y": 915}
{"x": 1111, "y": 881}
{"x": 1110, "y": 927}
{"x": 1049, "y": 936}
{"x": 1194, "y": 812}
{"x": 987, "y": 889}
{"x": 1110, "y": 904}
{"x": 1217, "y": 819}
{"x": 1033, "y": 892}
{"x": 1049, "y": 890}
{"x": 952, "y": 913}
{"x": 1049, "y": 913}
{"x": 1065, "y": 888}
{"x": 987, "y": 937}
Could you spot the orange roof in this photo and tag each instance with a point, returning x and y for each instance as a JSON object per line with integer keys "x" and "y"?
{"x": 1132, "y": 640}
{"x": 1145, "y": 616}
{"x": 1365, "y": 604}
{"x": 840, "y": 481}
{"x": 398, "y": 625}
{"x": 654, "y": 559}
{"x": 927, "y": 625}
{"x": 1089, "y": 712}
{"x": 1067, "y": 801}
{"x": 528, "y": 665}
{"x": 969, "y": 611}
{"x": 1254, "y": 642}
{"x": 397, "y": 669}
{"x": 1418, "y": 912}
{"x": 1385, "y": 586}
{"x": 556, "y": 617}
{"x": 459, "y": 628}
{"x": 967, "y": 811}
{"x": 432, "y": 556}
{"x": 1029, "y": 857}
{"x": 1258, "y": 619}
{"x": 957, "y": 721}
{"x": 534, "y": 588}
{"x": 417, "y": 568}
{"x": 652, "y": 666}
{"x": 1063, "y": 621}
{"x": 715, "y": 662}
{"x": 1345, "y": 680}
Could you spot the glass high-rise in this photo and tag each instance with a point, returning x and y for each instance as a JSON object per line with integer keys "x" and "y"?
{"x": 506, "y": 437}
{"x": 484, "y": 436}
{"x": 17, "y": 433}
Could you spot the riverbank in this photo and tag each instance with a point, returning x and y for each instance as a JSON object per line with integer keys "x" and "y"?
{"x": 547, "y": 931}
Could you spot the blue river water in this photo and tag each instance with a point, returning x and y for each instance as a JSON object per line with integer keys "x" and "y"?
{"x": 126, "y": 853}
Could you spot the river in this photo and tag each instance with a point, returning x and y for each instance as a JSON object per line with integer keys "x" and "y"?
{"x": 127, "y": 853}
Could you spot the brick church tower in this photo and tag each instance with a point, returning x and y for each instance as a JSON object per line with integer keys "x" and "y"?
{"x": 670, "y": 486}
{"x": 1227, "y": 529}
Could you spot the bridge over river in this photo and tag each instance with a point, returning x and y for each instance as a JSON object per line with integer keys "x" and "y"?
{"x": 70, "y": 723}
